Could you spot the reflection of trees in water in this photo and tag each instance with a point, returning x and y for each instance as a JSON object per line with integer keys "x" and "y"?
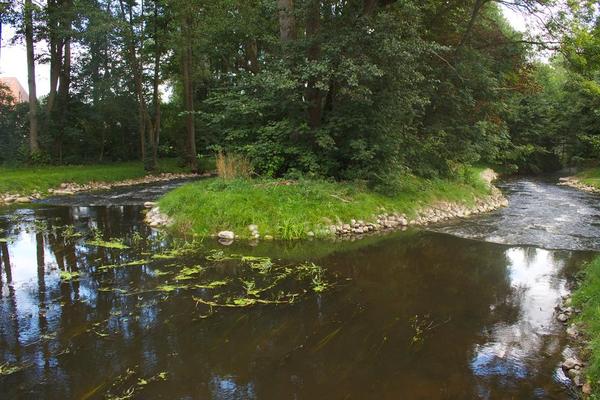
{"x": 346, "y": 341}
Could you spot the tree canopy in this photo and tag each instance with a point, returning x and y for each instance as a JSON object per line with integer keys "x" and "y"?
{"x": 357, "y": 89}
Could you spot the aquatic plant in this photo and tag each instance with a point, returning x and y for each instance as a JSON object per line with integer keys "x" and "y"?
{"x": 69, "y": 233}
{"x": 188, "y": 272}
{"x": 68, "y": 275}
{"x": 114, "y": 243}
{"x": 126, "y": 386}
{"x": 9, "y": 369}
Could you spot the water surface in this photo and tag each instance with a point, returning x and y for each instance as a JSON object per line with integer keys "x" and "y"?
{"x": 411, "y": 315}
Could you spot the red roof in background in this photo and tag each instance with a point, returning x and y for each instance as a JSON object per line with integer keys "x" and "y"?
{"x": 16, "y": 89}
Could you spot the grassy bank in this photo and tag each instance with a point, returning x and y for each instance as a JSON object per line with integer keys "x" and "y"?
{"x": 587, "y": 298}
{"x": 28, "y": 180}
{"x": 590, "y": 177}
{"x": 290, "y": 210}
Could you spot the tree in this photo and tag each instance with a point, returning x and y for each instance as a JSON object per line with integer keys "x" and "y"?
{"x": 28, "y": 11}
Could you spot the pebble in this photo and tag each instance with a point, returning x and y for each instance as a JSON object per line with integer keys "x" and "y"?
{"x": 571, "y": 363}
{"x": 562, "y": 317}
{"x": 226, "y": 235}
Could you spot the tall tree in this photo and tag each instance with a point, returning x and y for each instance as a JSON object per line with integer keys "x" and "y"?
{"x": 34, "y": 146}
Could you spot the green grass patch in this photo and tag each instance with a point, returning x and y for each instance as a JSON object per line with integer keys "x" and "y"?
{"x": 28, "y": 180}
{"x": 590, "y": 177}
{"x": 587, "y": 298}
{"x": 290, "y": 211}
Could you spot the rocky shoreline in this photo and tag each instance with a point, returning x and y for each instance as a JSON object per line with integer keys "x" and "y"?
{"x": 573, "y": 182}
{"x": 572, "y": 365}
{"x": 439, "y": 212}
{"x": 69, "y": 188}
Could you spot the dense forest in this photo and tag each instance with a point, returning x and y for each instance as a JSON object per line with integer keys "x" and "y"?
{"x": 357, "y": 89}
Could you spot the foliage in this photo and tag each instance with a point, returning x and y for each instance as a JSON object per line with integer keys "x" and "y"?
{"x": 359, "y": 90}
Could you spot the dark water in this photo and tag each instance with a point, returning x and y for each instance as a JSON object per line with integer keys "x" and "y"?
{"x": 413, "y": 315}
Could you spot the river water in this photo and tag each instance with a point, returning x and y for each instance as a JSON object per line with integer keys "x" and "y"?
{"x": 460, "y": 311}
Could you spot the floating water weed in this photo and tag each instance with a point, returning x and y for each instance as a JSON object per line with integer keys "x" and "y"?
{"x": 69, "y": 233}
{"x": 188, "y": 273}
{"x": 8, "y": 369}
{"x": 127, "y": 387}
{"x": 100, "y": 242}
{"x": 112, "y": 244}
{"x": 69, "y": 276}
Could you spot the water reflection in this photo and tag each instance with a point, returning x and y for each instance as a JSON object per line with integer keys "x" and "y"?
{"x": 413, "y": 315}
{"x": 512, "y": 351}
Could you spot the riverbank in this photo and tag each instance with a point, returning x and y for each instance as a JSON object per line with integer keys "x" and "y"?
{"x": 287, "y": 210}
{"x": 22, "y": 185}
{"x": 586, "y": 330}
{"x": 587, "y": 180}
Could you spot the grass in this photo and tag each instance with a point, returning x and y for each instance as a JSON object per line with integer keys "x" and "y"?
{"x": 590, "y": 177}
{"x": 291, "y": 211}
{"x": 587, "y": 298}
{"x": 27, "y": 180}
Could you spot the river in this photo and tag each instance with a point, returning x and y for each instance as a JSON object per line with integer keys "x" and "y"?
{"x": 458, "y": 311}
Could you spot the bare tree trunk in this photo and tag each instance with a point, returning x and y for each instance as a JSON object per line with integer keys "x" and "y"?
{"x": 34, "y": 146}
{"x": 287, "y": 20}
{"x": 313, "y": 93}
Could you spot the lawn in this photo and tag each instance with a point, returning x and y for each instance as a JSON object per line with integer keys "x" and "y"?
{"x": 27, "y": 180}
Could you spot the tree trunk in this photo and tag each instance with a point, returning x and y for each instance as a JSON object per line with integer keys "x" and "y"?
{"x": 313, "y": 93}
{"x": 287, "y": 20}
{"x": 146, "y": 126}
{"x": 156, "y": 90}
{"x": 34, "y": 146}
{"x": 63, "y": 95}
{"x": 188, "y": 94}
{"x": 56, "y": 49}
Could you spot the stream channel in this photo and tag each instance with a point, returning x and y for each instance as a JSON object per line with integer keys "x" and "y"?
{"x": 462, "y": 310}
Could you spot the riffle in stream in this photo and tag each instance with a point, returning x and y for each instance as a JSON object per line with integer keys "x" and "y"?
{"x": 464, "y": 310}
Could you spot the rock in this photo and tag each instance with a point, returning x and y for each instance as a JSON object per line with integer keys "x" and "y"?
{"x": 226, "y": 242}
{"x": 23, "y": 200}
{"x": 226, "y": 235}
{"x": 268, "y": 237}
{"x": 149, "y": 204}
{"x": 252, "y": 228}
{"x": 572, "y": 373}
{"x": 587, "y": 388}
{"x": 570, "y": 363}
{"x": 310, "y": 234}
{"x": 562, "y": 318}
{"x": 573, "y": 332}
